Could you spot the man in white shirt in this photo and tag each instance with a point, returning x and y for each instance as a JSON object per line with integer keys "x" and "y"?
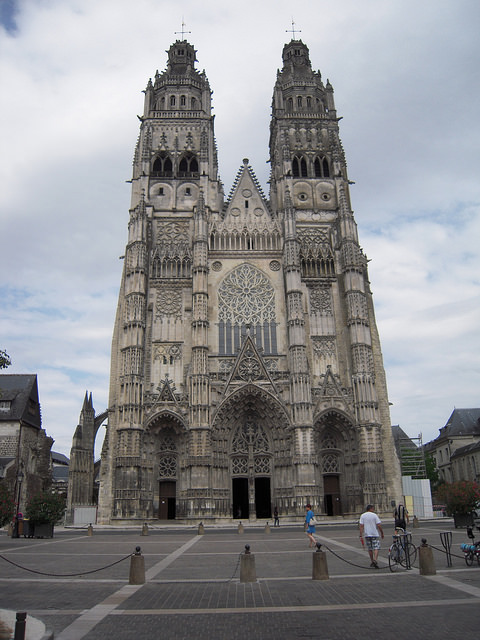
{"x": 370, "y": 528}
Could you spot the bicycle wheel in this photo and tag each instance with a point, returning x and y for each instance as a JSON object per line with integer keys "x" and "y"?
{"x": 410, "y": 551}
{"x": 469, "y": 558}
{"x": 394, "y": 555}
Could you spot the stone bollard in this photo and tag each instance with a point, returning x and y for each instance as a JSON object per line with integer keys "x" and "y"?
{"x": 145, "y": 529}
{"x": 201, "y": 529}
{"x": 247, "y": 566}
{"x": 90, "y": 530}
{"x": 319, "y": 566}
{"x": 137, "y": 568}
{"x": 425, "y": 559}
{"x": 10, "y": 530}
{"x": 267, "y": 528}
{"x": 240, "y": 528}
{"x": 416, "y": 524}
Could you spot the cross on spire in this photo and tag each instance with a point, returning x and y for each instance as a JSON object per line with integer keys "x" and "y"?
{"x": 183, "y": 32}
{"x": 293, "y": 30}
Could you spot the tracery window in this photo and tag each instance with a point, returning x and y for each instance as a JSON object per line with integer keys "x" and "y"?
{"x": 246, "y": 305}
{"x": 250, "y": 448}
{"x": 330, "y": 463}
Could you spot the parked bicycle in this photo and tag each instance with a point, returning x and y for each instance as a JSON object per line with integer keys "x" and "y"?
{"x": 471, "y": 550}
{"x": 402, "y": 551}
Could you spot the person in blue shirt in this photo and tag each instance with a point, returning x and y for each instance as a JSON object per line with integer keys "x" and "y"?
{"x": 310, "y": 527}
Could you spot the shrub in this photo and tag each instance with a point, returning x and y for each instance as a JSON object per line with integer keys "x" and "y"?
{"x": 46, "y": 507}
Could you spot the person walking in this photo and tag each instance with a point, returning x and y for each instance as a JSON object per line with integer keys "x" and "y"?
{"x": 371, "y": 530}
{"x": 310, "y": 525}
{"x": 401, "y": 517}
{"x": 276, "y": 521}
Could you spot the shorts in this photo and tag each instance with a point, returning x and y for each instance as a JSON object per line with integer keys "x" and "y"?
{"x": 372, "y": 542}
{"x": 311, "y": 529}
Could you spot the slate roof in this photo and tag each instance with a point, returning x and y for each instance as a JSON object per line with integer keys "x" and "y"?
{"x": 463, "y": 422}
{"x": 21, "y": 391}
{"x": 468, "y": 448}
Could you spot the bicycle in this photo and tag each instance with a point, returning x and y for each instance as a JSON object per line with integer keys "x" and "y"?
{"x": 402, "y": 551}
{"x": 471, "y": 551}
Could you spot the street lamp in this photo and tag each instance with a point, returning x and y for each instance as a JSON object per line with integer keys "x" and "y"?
{"x": 20, "y": 477}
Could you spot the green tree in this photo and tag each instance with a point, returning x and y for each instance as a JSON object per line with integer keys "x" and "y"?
{"x": 432, "y": 472}
{"x": 5, "y": 360}
{"x": 46, "y": 507}
{"x": 459, "y": 497}
{"x": 7, "y": 504}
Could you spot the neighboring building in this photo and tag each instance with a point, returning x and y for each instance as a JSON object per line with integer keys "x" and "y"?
{"x": 60, "y": 464}
{"x": 82, "y": 470}
{"x": 456, "y": 450}
{"x": 24, "y": 445}
{"x": 246, "y": 367}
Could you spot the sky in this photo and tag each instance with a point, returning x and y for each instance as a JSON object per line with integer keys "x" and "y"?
{"x": 406, "y": 76}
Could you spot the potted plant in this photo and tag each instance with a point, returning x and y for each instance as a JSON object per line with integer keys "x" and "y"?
{"x": 460, "y": 499}
{"x": 44, "y": 510}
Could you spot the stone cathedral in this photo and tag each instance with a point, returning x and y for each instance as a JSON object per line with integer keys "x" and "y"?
{"x": 246, "y": 368}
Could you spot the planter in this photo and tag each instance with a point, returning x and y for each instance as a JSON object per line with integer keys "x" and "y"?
{"x": 43, "y": 530}
{"x": 462, "y": 520}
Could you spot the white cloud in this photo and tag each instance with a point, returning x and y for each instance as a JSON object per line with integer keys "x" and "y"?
{"x": 406, "y": 83}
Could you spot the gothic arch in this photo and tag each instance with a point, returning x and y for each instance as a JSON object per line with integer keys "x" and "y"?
{"x": 336, "y": 447}
{"x": 252, "y": 448}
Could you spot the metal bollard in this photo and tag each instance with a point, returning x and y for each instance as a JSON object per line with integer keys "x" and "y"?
{"x": 247, "y": 566}
{"x": 20, "y": 625}
{"x": 446, "y": 540}
{"x": 137, "y": 567}
{"x": 240, "y": 528}
{"x": 201, "y": 529}
{"x": 145, "y": 529}
{"x": 267, "y": 528}
{"x": 425, "y": 559}
{"x": 319, "y": 564}
{"x": 90, "y": 530}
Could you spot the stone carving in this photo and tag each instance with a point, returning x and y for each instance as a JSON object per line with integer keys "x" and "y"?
{"x": 323, "y": 346}
{"x": 168, "y": 303}
{"x": 321, "y": 300}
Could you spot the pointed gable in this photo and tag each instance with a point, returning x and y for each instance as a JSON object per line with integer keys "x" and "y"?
{"x": 246, "y": 198}
{"x": 250, "y": 367}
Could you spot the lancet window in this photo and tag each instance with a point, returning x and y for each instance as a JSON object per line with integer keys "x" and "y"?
{"x": 299, "y": 167}
{"x": 321, "y": 167}
{"x": 162, "y": 166}
{"x": 188, "y": 166}
{"x": 246, "y": 306}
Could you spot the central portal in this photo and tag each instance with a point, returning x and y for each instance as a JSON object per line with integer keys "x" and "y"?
{"x": 241, "y": 502}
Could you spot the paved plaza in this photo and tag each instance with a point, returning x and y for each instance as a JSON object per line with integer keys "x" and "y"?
{"x": 192, "y": 587}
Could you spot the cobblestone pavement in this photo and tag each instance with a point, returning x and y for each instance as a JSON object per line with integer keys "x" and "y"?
{"x": 192, "y": 585}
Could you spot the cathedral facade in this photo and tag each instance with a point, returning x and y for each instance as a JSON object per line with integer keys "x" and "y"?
{"x": 246, "y": 368}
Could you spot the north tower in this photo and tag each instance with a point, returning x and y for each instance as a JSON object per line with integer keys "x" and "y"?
{"x": 246, "y": 368}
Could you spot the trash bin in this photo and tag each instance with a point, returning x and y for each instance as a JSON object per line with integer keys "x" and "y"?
{"x": 27, "y": 528}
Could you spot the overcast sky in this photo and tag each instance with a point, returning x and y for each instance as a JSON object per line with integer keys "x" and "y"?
{"x": 406, "y": 81}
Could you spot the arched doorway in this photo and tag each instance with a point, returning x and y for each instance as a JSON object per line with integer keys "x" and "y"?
{"x": 252, "y": 448}
{"x": 164, "y": 448}
{"x": 337, "y": 468}
{"x": 251, "y": 467}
